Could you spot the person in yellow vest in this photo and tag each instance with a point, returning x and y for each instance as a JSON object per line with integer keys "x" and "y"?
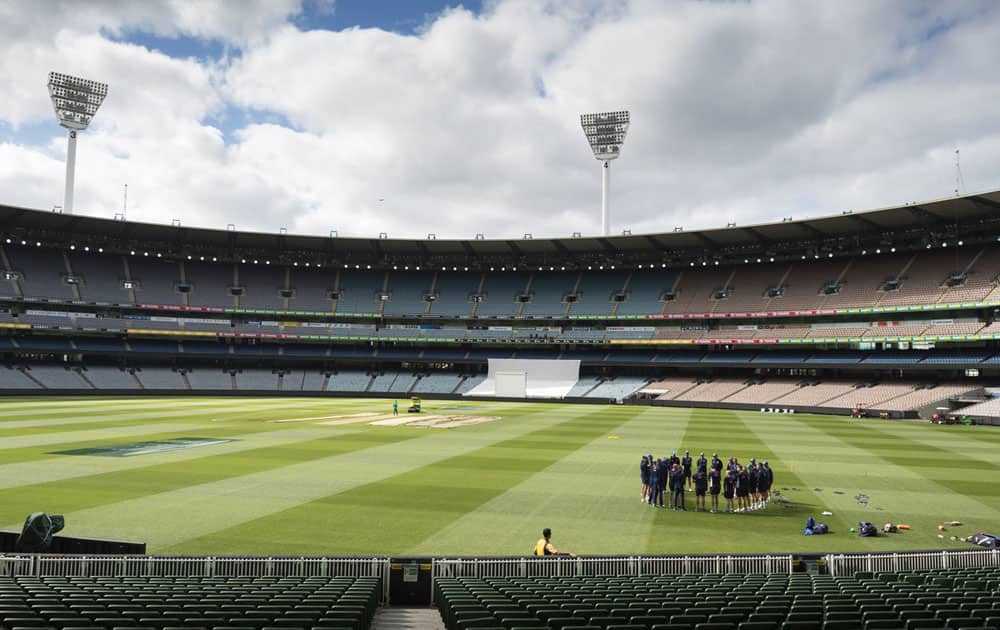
{"x": 545, "y": 548}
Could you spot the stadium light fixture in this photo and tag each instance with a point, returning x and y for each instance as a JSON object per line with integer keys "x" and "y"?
{"x": 605, "y": 133}
{"x": 75, "y": 102}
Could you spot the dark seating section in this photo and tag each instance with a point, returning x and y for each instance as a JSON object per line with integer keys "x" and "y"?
{"x": 956, "y": 599}
{"x": 244, "y": 603}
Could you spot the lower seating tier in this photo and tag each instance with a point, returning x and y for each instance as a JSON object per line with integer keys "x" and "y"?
{"x": 958, "y": 599}
{"x": 344, "y": 603}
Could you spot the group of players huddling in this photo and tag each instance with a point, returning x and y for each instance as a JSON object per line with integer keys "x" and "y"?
{"x": 745, "y": 488}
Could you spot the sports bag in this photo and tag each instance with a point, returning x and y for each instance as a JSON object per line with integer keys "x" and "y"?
{"x": 867, "y": 530}
{"x": 985, "y": 540}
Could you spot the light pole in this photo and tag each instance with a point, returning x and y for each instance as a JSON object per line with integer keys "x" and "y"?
{"x": 76, "y": 101}
{"x": 606, "y": 133}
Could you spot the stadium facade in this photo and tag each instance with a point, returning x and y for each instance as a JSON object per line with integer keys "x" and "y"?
{"x": 890, "y": 310}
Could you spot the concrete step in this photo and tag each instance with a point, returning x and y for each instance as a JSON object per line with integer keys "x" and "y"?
{"x": 397, "y": 618}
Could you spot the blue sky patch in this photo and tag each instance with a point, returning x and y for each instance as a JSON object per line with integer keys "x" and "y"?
{"x": 399, "y": 16}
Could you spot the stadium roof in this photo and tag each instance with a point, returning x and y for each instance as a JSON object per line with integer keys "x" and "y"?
{"x": 850, "y": 229}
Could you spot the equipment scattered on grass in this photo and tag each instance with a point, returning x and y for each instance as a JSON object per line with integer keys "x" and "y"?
{"x": 890, "y": 528}
{"x": 989, "y": 541}
{"x": 814, "y": 528}
{"x": 867, "y": 530}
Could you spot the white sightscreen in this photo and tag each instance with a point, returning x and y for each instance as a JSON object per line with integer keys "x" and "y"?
{"x": 511, "y": 384}
{"x": 544, "y": 378}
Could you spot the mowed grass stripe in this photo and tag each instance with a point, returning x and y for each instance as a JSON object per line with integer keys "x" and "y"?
{"x": 236, "y": 422}
{"x": 161, "y": 409}
{"x": 92, "y": 435}
{"x": 269, "y": 452}
{"x": 581, "y": 496}
{"x": 38, "y": 465}
{"x": 844, "y": 470}
{"x": 964, "y": 442}
{"x": 166, "y": 519}
{"x": 394, "y": 512}
{"x": 729, "y": 433}
{"x": 47, "y": 468}
{"x": 235, "y": 411}
{"x": 941, "y": 468}
{"x": 10, "y": 412}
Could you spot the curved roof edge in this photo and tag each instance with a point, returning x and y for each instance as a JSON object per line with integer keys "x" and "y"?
{"x": 850, "y": 226}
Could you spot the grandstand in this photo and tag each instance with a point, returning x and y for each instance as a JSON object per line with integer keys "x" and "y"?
{"x": 961, "y": 599}
{"x": 821, "y": 316}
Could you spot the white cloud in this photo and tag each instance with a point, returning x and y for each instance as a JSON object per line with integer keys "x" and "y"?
{"x": 744, "y": 112}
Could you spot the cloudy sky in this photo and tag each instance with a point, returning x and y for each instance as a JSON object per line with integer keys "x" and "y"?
{"x": 418, "y": 116}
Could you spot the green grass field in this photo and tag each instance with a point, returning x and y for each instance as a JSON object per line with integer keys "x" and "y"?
{"x": 301, "y": 487}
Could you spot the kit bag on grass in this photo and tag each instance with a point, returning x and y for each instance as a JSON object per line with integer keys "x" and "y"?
{"x": 866, "y": 529}
{"x": 985, "y": 540}
{"x": 810, "y": 524}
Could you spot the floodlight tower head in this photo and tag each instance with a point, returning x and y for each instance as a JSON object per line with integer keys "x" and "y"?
{"x": 606, "y": 133}
{"x": 76, "y": 102}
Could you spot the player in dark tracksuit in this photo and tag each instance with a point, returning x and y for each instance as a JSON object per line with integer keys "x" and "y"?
{"x": 753, "y": 478}
{"x": 729, "y": 489}
{"x": 715, "y": 487}
{"x": 700, "y": 489}
{"x": 716, "y": 462}
{"x": 702, "y": 463}
{"x": 660, "y": 480}
{"x": 764, "y": 482}
{"x": 654, "y": 486}
{"x": 742, "y": 489}
{"x": 674, "y": 461}
{"x": 686, "y": 465}
{"x": 677, "y": 488}
{"x": 644, "y": 476}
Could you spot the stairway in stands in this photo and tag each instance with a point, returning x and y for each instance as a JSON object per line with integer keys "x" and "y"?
{"x": 389, "y": 618}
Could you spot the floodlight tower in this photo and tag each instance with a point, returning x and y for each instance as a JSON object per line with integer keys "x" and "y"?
{"x": 76, "y": 101}
{"x": 606, "y": 133}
